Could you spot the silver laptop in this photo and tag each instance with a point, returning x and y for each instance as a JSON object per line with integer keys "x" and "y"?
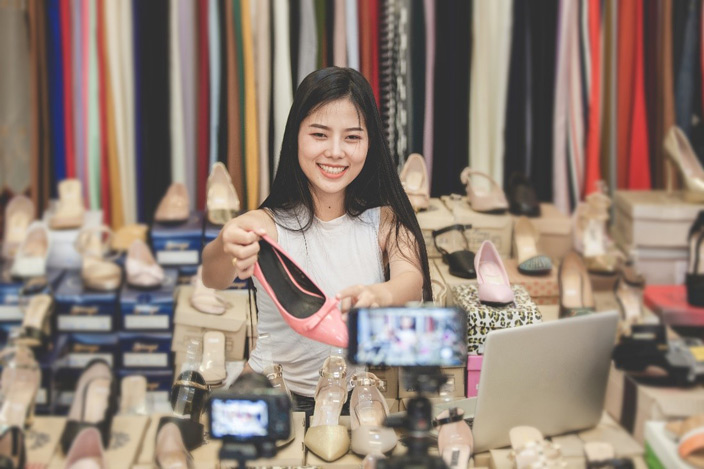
{"x": 551, "y": 376}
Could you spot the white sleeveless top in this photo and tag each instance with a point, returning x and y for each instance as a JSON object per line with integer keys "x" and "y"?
{"x": 336, "y": 254}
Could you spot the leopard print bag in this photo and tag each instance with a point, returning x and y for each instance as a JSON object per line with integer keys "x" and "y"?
{"x": 482, "y": 319}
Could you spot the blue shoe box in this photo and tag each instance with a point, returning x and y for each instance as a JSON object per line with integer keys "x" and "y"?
{"x": 11, "y": 297}
{"x": 149, "y": 310}
{"x": 79, "y": 309}
{"x": 179, "y": 244}
{"x": 145, "y": 350}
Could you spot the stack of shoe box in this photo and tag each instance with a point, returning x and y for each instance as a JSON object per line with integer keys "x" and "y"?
{"x": 146, "y": 327}
{"x": 179, "y": 245}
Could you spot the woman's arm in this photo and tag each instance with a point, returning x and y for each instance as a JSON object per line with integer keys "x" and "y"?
{"x": 406, "y": 278}
{"x": 238, "y": 239}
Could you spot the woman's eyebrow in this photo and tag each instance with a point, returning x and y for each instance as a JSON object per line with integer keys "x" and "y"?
{"x": 325, "y": 127}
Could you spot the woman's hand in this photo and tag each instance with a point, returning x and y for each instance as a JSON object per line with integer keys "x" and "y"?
{"x": 364, "y": 296}
{"x": 240, "y": 242}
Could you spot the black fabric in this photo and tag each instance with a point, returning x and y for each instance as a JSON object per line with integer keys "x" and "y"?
{"x": 615, "y": 463}
{"x": 453, "y": 54}
{"x": 307, "y": 404}
{"x": 542, "y": 15}
{"x": 516, "y": 122}
{"x": 454, "y": 416}
{"x": 652, "y": 40}
{"x": 222, "y": 105}
{"x": 152, "y": 68}
{"x": 522, "y": 197}
{"x": 629, "y": 405}
{"x": 282, "y": 275}
{"x": 191, "y": 432}
{"x": 294, "y": 33}
{"x": 417, "y": 70}
{"x": 695, "y": 290}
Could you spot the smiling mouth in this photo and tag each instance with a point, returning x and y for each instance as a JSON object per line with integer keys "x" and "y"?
{"x": 333, "y": 170}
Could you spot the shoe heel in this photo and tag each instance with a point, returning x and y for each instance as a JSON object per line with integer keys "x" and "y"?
{"x": 669, "y": 185}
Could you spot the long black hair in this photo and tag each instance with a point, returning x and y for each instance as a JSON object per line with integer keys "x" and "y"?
{"x": 377, "y": 185}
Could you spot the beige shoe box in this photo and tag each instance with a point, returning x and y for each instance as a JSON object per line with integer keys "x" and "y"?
{"x": 291, "y": 455}
{"x": 190, "y": 323}
{"x": 125, "y": 443}
{"x": 455, "y": 386}
{"x": 485, "y": 227}
{"x": 435, "y": 217}
{"x": 389, "y": 375}
{"x": 555, "y": 230}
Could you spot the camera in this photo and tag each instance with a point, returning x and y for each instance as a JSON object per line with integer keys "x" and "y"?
{"x": 417, "y": 336}
{"x": 249, "y": 418}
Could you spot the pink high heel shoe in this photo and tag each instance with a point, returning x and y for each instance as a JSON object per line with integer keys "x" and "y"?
{"x": 493, "y": 287}
{"x": 302, "y": 304}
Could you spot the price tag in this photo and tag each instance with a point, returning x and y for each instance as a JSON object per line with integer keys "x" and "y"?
{"x": 133, "y": 360}
{"x": 133, "y": 321}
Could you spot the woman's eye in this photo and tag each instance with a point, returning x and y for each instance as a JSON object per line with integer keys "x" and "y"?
{"x": 354, "y": 137}
{"x": 318, "y": 135}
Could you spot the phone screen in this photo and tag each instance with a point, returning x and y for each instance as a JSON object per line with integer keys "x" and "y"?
{"x": 239, "y": 419}
{"x": 408, "y": 336}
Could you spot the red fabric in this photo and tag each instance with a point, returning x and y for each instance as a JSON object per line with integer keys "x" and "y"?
{"x": 626, "y": 64}
{"x": 365, "y": 39}
{"x": 102, "y": 110}
{"x": 639, "y": 155}
{"x": 593, "y": 165}
{"x": 203, "y": 98}
{"x": 374, "y": 26}
{"x": 65, "y": 18}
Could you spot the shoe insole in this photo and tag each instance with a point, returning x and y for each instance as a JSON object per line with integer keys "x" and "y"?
{"x": 593, "y": 239}
{"x": 572, "y": 290}
{"x": 525, "y": 245}
{"x": 20, "y": 396}
{"x": 221, "y": 198}
{"x": 16, "y": 227}
{"x": 97, "y": 399}
{"x": 414, "y": 181}
{"x": 630, "y": 302}
{"x": 37, "y": 311}
{"x": 213, "y": 362}
{"x": 133, "y": 395}
{"x": 328, "y": 405}
{"x": 491, "y": 273}
{"x": 370, "y": 414}
{"x": 456, "y": 456}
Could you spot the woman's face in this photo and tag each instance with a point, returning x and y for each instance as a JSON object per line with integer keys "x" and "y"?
{"x": 332, "y": 147}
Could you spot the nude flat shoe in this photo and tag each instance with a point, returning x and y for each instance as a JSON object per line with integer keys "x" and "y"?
{"x": 70, "y": 208}
{"x": 133, "y": 395}
{"x": 682, "y": 156}
{"x": 169, "y": 450}
{"x": 414, "y": 178}
{"x": 525, "y": 242}
{"x": 141, "y": 268}
{"x": 212, "y": 366}
{"x": 493, "y": 285}
{"x": 30, "y": 258}
{"x": 481, "y": 200}
{"x": 455, "y": 440}
{"x": 368, "y": 411}
{"x": 19, "y": 213}
{"x": 326, "y": 437}
{"x": 123, "y": 237}
{"x": 204, "y": 299}
{"x": 97, "y": 272}
{"x": 87, "y": 451}
{"x": 222, "y": 201}
{"x": 175, "y": 206}
{"x": 529, "y": 449}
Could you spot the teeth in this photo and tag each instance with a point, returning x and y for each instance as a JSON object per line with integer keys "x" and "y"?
{"x": 332, "y": 169}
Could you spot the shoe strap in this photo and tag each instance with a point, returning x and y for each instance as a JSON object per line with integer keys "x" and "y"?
{"x": 454, "y": 416}
{"x": 277, "y": 373}
{"x": 368, "y": 380}
{"x": 192, "y": 384}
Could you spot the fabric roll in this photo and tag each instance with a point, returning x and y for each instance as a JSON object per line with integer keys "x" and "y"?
{"x": 307, "y": 40}
{"x": 187, "y": 42}
{"x": 453, "y": 53}
{"x": 68, "y": 85}
{"x": 56, "y": 89}
{"x": 401, "y": 73}
{"x": 93, "y": 133}
{"x": 320, "y": 26}
{"x": 202, "y": 114}
{"x": 593, "y": 166}
{"x": 35, "y": 105}
{"x": 561, "y": 116}
{"x": 490, "y": 56}
{"x": 139, "y": 108}
{"x": 374, "y": 45}
{"x": 251, "y": 129}
{"x": 283, "y": 93}
{"x": 352, "y": 31}
{"x": 127, "y": 67}
{"x": 177, "y": 130}
{"x": 638, "y": 157}
{"x": 78, "y": 88}
{"x": 340, "y": 35}
{"x": 666, "y": 91}
{"x": 104, "y": 175}
{"x": 214, "y": 76}
{"x": 652, "y": 45}
{"x": 388, "y": 32}
{"x": 44, "y": 169}
{"x": 365, "y": 39}
{"x": 262, "y": 58}
{"x": 222, "y": 101}
{"x": 239, "y": 56}
{"x": 15, "y": 104}
{"x": 576, "y": 125}
{"x": 626, "y": 71}
{"x": 417, "y": 41}
{"x": 430, "y": 25}
{"x": 234, "y": 142}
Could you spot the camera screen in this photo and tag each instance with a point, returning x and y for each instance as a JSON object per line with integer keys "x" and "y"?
{"x": 411, "y": 337}
{"x": 239, "y": 419}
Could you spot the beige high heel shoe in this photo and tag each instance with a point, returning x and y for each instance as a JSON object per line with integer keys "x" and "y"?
{"x": 19, "y": 213}
{"x": 70, "y": 208}
{"x": 525, "y": 242}
{"x": 169, "y": 450}
{"x": 481, "y": 200}
{"x": 368, "y": 410}
{"x": 681, "y": 155}
{"x": 414, "y": 178}
{"x": 97, "y": 272}
{"x": 222, "y": 202}
{"x": 326, "y": 437}
{"x": 590, "y": 235}
{"x": 30, "y": 258}
{"x": 576, "y": 297}
{"x": 175, "y": 206}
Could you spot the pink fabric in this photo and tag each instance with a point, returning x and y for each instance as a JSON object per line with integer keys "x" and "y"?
{"x": 429, "y": 85}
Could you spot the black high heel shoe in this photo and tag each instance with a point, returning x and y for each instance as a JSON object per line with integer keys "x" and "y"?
{"x": 695, "y": 272}
{"x": 452, "y": 244}
{"x": 94, "y": 404}
{"x": 189, "y": 395}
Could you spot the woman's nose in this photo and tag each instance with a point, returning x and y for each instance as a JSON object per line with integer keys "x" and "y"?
{"x": 335, "y": 149}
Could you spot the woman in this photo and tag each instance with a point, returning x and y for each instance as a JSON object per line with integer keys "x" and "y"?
{"x": 338, "y": 209}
